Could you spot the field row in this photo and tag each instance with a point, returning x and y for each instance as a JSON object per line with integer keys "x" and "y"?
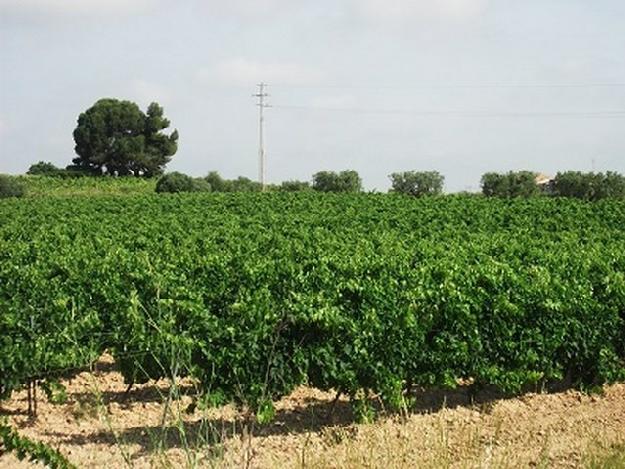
{"x": 253, "y": 295}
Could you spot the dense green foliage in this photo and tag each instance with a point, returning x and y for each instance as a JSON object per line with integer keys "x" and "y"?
{"x": 512, "y": 184}
{"x": 330, "y": 181}
{"x": 47, "y": 169}
{"x": 43, "y": 168}
{"x": 43, "y": 186}
{"x": 117, "y": 138}
{"x": 589, "y": 186}
{"x": 10, "y": 186}
{"x": 253, "y": 295}
{"x": 179, "y": 182}
{"x": 240, "y": 184}
{"x": 417, "y": 183}
{"x": 217, "y": 183}
{"x": 294, "y": 186}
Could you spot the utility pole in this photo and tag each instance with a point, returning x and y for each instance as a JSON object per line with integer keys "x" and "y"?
{"x": 261, "y": 95}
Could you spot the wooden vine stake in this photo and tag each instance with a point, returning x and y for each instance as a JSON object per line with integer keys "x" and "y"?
{"x": 32, "y": 398}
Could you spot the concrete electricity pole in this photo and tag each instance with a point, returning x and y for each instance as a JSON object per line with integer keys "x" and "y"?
{"x": 261, "y": 95}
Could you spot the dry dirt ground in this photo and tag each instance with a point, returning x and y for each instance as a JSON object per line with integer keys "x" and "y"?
{"x": 100, "y": 426}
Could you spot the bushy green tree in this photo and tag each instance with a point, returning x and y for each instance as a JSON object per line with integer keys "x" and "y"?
{"x": 240, "y": 184}
{"x": 10, "y": 187}
{"x": 511, "y": 184}
{"x": 330, "y": 181}
{"x": 216, "y": 181}
{"x": 613, "y": 185}
{"x": 116, "y": 137}
{"x": 44, "y": 168}
{"x": 77, "y": 171}
{"x": 294, "y": 186}
{"x": 572, "y": 184}
{"x": 179, "y": 182}
{"x": 159, "y": 147}
{"x": 325, "y": 181}
{"x": 493, "y": 184}
{"x": 523, "y": 184}
{"x": 201, "y": 185}
{"x": 244, "y": 184}
{"x": 417, "y": 183}
{"x": 589, "y": 186}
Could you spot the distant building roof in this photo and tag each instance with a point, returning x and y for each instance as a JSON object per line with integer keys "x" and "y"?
{"x": 542, "y": 179}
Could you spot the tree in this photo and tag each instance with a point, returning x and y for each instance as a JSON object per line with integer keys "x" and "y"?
{"x": 294, "y": 186}
{"x": 522, "y": 184}
{"x": 244, "y": 184}
{"x": 330, "y": 181}
{"x": 589, "y": 186}
{"x": 325, "y": 181}
{"x": 159, "y": 147}
{"x": 240, "y": 184}
{"x": 493, "y": 184}
{"x": 44, "y": 168}
{"x": 115, "y": 137}
{"x": 10, "y": 187}
{"x": 511, "y": 184}
{"x": 179, "y": 182}
{"x": 216, "y": 181}
{"x": 417, "y": 183}
{"x": 349, "y": 181}
{"x": 613, "y": 185}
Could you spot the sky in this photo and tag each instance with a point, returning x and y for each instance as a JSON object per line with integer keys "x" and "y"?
{"x": 380, "y": 86}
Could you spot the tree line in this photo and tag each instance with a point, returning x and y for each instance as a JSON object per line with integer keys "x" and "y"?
{"x": 115, "y": 138}
{"x": 415, "y": 183}
{"x": 575, "y": 184}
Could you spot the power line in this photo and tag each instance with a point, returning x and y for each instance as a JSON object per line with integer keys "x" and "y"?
{"x": 457, "y": 85}
{"x": 464, "y": 114}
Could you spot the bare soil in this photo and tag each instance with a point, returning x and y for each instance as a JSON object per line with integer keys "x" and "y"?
{"x": 101, "y": 426}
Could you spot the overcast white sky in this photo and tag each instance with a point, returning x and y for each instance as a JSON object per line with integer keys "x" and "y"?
{"x": 460, "y": 86}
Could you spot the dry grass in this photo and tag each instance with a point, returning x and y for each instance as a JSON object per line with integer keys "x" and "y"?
{"x": 99, "y": 427}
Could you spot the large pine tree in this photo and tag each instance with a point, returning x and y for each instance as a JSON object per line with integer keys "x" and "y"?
{"x": 115, "y": 137}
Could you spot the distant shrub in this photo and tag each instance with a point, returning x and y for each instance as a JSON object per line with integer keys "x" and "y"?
{"x": 330, "y": 181}
{"x": 44, "y": 168}
{"x": 511, "y": 184}
{"x": 217, "y": 183}
{"x": 179, "y": 182}
{"x": 243, "y": 184}
{"x": 10, "y": 187}
{"x": 74, "y": 171}
{"x": 493, "y": 184}
{"x": 240, "y": 184}
{"x": 66, "y": 185}
{"x": 589, "y": 186}
{"x": 417, "y": 183}
{"x": 201, "y": 185}
{"x": 294, "y": 186}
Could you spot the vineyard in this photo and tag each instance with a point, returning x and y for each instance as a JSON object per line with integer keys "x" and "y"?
{"x": 253, "y": 295}
{"x": 41, "y": 186}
